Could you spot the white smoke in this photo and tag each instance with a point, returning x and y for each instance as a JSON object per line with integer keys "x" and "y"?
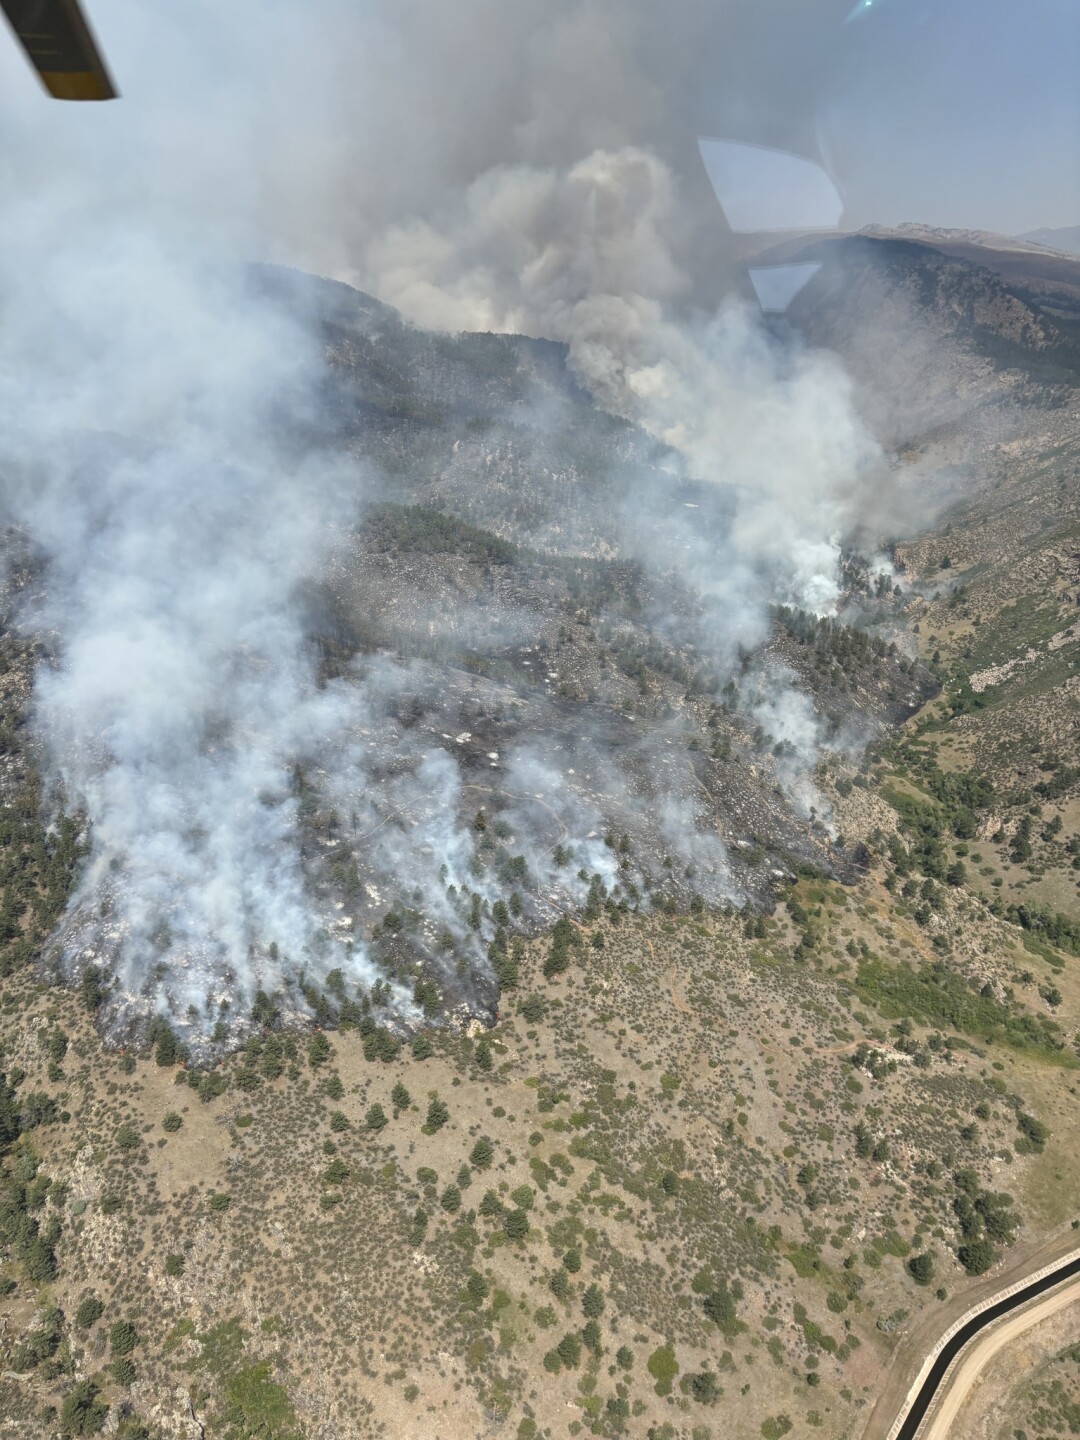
{"x": 152, "y": 409}
{"x": 588, "y": 257}
{"x": 479, "y": 166}
{"x": 787, "y": 717}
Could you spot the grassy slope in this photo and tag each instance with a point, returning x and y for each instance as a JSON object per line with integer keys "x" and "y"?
{"x": 681, "y": 1047}
{"x": 684, "y": 1048}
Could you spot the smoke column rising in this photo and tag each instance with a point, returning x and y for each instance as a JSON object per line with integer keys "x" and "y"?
{"x": 533, "y": 170}
{"x": 145, "y": 456}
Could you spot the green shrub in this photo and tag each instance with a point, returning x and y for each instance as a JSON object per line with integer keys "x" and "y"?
{"x": 483, "y": 1152}
{"x": 123, "y": 1337}
{"x": 940, "y": 996}
{"x": 516, "y": 1224}
{"x": 211, "y": 1086}
{"x": 123, "y": 1370}
{"x": 437, "y": 1115}
{"x": 663, "y": 1367}
{"x": 89, "y": 1312}
{"x": 775, "y": 1427}
{"x": 921, "y": 1268}
{"x": 127, "y": 1137}
{"x": 83, "y": 1412}
{"x": 569, "y": 1348}
{"x": 257, "y": 1406}
{"x": 592, "y": 1302}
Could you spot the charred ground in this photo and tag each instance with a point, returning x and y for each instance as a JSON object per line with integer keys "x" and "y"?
{"x": 710, "y": 1155}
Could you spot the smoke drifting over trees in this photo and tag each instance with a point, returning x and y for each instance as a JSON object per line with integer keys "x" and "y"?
{"x": 170, "y": 457}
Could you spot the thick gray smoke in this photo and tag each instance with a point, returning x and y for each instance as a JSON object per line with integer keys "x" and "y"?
{"x": 529, "y": 168}
{"x": 147, "y": 457}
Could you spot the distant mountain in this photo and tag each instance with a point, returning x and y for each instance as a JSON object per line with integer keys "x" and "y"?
{"x": 1048, "y": 280}
{"x": 753, "y": 245}
{"x": 934, "y": 330}
{"x": 940, "y": 235}
{"x": 1018, "y": 308}
{"x": 1066, "y": 238}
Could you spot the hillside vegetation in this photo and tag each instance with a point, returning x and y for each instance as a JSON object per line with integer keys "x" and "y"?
{"x": 657, "y": 1164}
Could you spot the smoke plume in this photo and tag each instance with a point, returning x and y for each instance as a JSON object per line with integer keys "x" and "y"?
{"x": 165, "y": 453}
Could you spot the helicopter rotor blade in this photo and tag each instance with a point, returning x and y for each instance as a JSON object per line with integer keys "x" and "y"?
{"x": 61, "y": 47}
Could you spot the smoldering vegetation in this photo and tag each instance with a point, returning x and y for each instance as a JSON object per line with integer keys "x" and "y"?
{"x": 334, "y": 743}
{"x": 368, "y": 639}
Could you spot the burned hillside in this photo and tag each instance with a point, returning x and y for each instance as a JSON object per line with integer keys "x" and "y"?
{"x": 530, "y": 663}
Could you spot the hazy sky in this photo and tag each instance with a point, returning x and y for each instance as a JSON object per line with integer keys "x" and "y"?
{"x": 309, "y": 128}
{"x": 958, "y": 112}
{"x": 949, "y": 112}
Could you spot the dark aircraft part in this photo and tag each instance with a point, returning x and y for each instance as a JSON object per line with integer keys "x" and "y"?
{"x": 61, "y": 48}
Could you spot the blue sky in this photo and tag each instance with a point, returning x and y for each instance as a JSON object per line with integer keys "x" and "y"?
{"x": 957, "y": 112}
